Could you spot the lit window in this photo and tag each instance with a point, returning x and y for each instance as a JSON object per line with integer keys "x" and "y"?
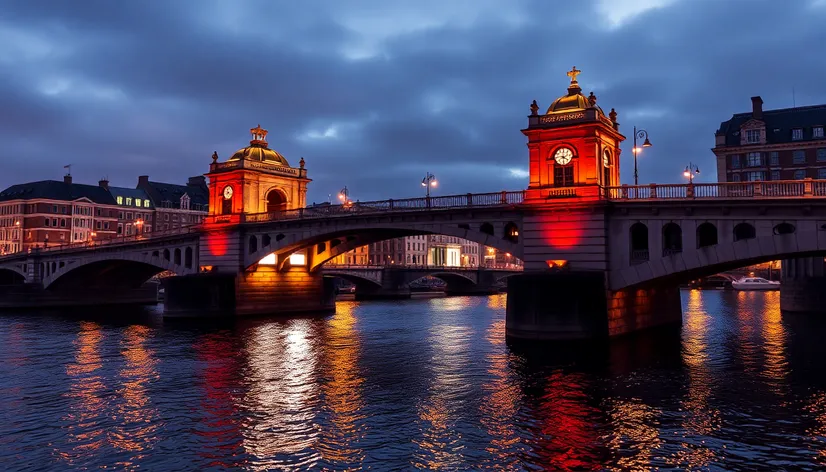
{"x": 120, "y": 200}
{"x": 817, "y": 132}
{"x": 821, "y": 154}
{"x": 797, "y": 134}
{"x": 775, "y": 158}
{"x": 137, "y": 202}
{"x": 752, "y": 136}
{"x": 146, "y": 203}
{"x": 129, "y": 200}
{"x": 799, "y": 174}
{"x": 297, "y": 259}
{"x": 735, "y": 161}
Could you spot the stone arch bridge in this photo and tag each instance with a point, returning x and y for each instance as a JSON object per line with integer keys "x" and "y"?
{"x": 621, "y": 251}
{"x": 394, "y": 282}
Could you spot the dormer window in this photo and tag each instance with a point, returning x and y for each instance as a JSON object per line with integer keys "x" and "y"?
{"x": 797, "y": 134}
{"x": 185, "y": 202}
{"x": 129, "y": 201}
{"x": 817, "y": 132}
{"x": 752, "y": 136}
{"x": 137, "y": 202}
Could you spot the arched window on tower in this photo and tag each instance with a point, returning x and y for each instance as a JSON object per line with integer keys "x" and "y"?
{"x": 276, "y": 201}
{"x": 606, "y": 168}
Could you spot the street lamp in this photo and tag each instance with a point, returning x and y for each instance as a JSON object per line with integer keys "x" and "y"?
{"x": 690, "y": 171}
{"x": 344, "y": 196}
{"x": 139, "y": 226}
{"x": 647, "y": 143}
{"x": 92, "y": 238}
{"x": 428, "y": 181}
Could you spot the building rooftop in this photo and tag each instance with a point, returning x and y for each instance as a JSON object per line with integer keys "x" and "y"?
{"x": 57, "y": 190}
{"x": 133, "y": 193}
{"x": 779, "y": 123}
{"x": 169, "y": 195}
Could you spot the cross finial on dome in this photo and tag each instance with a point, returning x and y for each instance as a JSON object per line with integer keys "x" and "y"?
{"x": 259, "y": 136}
{"x": 573, "y": 73}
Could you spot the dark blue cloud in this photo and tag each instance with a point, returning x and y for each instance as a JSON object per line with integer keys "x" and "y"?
{"x": 374, "y": 94}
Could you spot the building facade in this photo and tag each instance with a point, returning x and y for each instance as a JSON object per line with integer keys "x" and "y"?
{"x": 782, "y": 144}
{"x": 175, "y": 206}
{"x": 51, "y": 212}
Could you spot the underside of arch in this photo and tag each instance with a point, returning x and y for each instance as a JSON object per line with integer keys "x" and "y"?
{"x": 105, "y": 275}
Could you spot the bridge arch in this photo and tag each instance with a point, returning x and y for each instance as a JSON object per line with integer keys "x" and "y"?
{"x": 115, "y": 270}
{"x": 340, "y": 241}
{"x": 726, "y": 255}
{"x": 11, "y": 276}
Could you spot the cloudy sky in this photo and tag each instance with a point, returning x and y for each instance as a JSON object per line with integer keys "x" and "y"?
{"x": 375, "y": 93}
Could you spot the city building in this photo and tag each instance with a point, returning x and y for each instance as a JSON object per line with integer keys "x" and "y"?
{"x": 136, "y": 210}
{"x": 50, "y": 212}
{"x": 176, "y": 206}
{"x": 782, "y": 144}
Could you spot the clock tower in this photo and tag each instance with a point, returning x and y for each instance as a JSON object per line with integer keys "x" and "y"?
{"x": 256, "y": 179}
{"x": 574, "y": 147}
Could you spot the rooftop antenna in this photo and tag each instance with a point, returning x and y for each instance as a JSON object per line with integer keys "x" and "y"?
{"x": 68, "y": 168}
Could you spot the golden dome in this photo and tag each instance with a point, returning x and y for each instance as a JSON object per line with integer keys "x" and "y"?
{"x": 573, "y": 100}
{"x": 258, "y": 149}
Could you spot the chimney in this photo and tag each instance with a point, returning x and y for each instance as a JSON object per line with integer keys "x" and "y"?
{"x": 67, "y": 179}
{"x": 143, "y": 180}
{"x": 197, "y": 181}
{"x": 757, "y": 108}
{"x": 104, "y": 184}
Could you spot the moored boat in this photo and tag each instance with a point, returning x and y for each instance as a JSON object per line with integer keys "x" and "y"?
{"x": 755, "y": 283}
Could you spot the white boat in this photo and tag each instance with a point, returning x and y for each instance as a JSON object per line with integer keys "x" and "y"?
{"x": 755, "y": 283}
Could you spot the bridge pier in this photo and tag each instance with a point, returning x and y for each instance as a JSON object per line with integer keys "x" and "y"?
{"x": 265, "y": 291}
{"x": 571, "y": 306}
{"x": 803, "y": 285}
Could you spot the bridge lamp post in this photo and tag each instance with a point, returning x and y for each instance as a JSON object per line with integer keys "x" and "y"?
{"x": 19, "y": 235}
{"x": 642, "y": 134}
{"x": 344, "y": 196}
{"x": 690, "y": 171}
{"x": 428, "y": 181}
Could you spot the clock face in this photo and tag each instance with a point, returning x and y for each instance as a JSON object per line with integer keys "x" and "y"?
{"x": 563, "y": 156}
{"x": 606, "y": 159}
{"x": 228, "y": 192}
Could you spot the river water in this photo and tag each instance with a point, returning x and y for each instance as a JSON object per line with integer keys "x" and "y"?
{"x": 424, "y": 383}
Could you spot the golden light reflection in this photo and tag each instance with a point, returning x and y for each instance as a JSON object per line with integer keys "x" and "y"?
{"x": 498, "y": 302}
{"x": 87, "y": 406}
{"x": 700, "y": 418}
{"x": 282, "y": 397}
{"x": 440, "y": 444}
{"x": 499, "y": 407}
{"x": 635, "y": 434}
{"x": 343, "y": 392}
{"x": 816, "y": 407}
{"x": 137, "y": 419}
{"x": 776, "y": 364}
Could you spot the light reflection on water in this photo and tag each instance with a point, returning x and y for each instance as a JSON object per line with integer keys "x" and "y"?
{"x": 425, "y": 384}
